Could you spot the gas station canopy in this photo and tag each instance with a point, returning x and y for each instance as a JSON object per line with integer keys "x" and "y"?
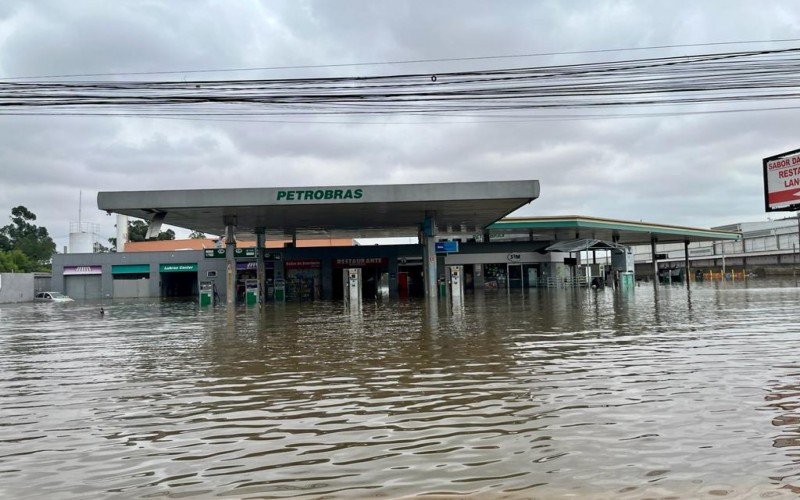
{"x": 576, "y": 227}
{"x": 330, "y": 211}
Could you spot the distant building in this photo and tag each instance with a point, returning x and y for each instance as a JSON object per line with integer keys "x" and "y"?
{"x": 766, "y": 247}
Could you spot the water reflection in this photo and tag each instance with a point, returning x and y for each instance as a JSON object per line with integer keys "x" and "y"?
{"x": 530, "y": 393}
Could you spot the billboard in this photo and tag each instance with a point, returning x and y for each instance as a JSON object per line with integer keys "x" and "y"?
{"x": 782, "y": 181}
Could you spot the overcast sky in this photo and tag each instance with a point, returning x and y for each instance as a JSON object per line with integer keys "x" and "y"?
{"x": 699, "y": 170}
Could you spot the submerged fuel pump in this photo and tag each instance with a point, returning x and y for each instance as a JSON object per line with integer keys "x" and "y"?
{"x": 352, "y": 286}
{"x": 455, "y": 282}
{"x": 251, "y": 292}
{"x": 206, "y": 293}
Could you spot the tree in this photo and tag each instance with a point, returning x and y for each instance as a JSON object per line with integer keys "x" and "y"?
{"x": 197, "y": 235}
{"x": 32, "y": 241}
{"x": 137, "y": 230}
{"x": 14, "y": 261}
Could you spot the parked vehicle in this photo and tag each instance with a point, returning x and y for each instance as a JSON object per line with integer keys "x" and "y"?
{"x": 51, "y": 297}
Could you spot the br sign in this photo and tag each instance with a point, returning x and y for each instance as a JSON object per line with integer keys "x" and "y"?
{"x": 782, "y": 181}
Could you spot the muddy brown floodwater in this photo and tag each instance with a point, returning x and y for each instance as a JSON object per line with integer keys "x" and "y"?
{"x": 546, "y": 393}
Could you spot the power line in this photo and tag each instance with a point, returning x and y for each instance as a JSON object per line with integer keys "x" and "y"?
{"x": 477, "y": 118}
{"x": 731, "y": 77}
{"x": 399, "y": 62}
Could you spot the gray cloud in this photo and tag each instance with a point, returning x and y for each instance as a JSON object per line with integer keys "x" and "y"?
{"x": 697, "y": 170}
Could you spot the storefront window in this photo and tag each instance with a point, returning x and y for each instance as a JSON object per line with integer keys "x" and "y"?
{"x": 495, "y": 275}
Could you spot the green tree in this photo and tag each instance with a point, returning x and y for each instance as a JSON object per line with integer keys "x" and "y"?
{"x": 14, "y": 261}
{"x": 137, "y": 230}
{"x": 32, "y": 241}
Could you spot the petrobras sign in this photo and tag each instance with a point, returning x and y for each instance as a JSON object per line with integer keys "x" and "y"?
{"x": 782, "y": 181}
{"x": 82, "y": 270}
{"x": 343, "y": 193}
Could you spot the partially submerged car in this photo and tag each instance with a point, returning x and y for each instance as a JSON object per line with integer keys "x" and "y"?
{"x": 51, "y": 297}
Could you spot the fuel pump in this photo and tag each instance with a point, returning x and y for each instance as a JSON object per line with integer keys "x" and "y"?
{"x": 206, "y": 293}
{"x": 251, "y": 292}
{"x": 352, "y": 286}
{"x": 455, "y": 281}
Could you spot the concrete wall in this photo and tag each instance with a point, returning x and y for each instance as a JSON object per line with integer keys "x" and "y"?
{"x": 16, "y": 287}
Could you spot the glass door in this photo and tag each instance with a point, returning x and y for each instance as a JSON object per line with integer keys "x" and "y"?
{"x": 515, "y": 276}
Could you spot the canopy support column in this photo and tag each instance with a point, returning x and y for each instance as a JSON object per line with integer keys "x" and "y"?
{"x": 230, "y": 260}
{"x": 655, "y": 260}
{"x": 428, "y": 241}
{"x": 261, "y": 271}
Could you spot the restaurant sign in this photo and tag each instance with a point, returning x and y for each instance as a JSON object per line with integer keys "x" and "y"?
{"x": 303, "y": 264}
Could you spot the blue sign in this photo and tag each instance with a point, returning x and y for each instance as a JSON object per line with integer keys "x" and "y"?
{"x": 446, "y": 247}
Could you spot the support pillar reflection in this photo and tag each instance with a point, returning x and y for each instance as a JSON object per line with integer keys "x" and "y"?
{"x": 261, "y": 271}
{"x": 230, "y": 260}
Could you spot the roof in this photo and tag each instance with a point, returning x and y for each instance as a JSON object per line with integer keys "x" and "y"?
{"x": 581, "y": 245}
{"x": 572, "y": 227}
{"x": 333, "y": 211}
{"x": 203, "y": 243}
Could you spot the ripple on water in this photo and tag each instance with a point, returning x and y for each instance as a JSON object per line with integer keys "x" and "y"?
{"x": 548, "y": 392}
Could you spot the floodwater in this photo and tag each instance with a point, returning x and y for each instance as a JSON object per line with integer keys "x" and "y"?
{"x": 547, "y": 393}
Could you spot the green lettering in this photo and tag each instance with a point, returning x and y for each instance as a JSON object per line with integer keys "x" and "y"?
{"x": 358, "y": 193}
{"x": 281, "y": 195}
{"x": 290, "y": 195}
{"x": 299, "y": 195}
{"x": 309, "y": 195}
{"x": 337, "y": 194}
{"x": 348, "y": 194}
{"x": 319, "y": 194}
{"x": 328, "y": 194}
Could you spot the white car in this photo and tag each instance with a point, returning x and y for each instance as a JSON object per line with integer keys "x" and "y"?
{"x": 51, "y": 297}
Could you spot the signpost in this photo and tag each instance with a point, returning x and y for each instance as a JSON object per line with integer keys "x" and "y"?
{"x": 782, "y": 184}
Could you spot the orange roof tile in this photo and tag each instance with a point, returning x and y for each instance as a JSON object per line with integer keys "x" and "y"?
{"x": 200, "y": 244}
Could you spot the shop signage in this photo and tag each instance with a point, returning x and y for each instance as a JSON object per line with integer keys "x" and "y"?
{"x": 361, "y": 262}
{"x": 252, "y": 266}
{"x": 214, "y": 253}
{"x": 239, "y": 253}
{"x": 446, "y": 247}
{"x": 244, "y": 252}
{"x": 782, "y": 181}
{"x": 177, "y": 268}
{"x": 303, "y": 264}
{"x": 131, "y": 269}
{"x": 513, "y": 257}
{"x": 320, "y": 194}
{"x": 80, "y": 270}
{"x": 409, "y": 260}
